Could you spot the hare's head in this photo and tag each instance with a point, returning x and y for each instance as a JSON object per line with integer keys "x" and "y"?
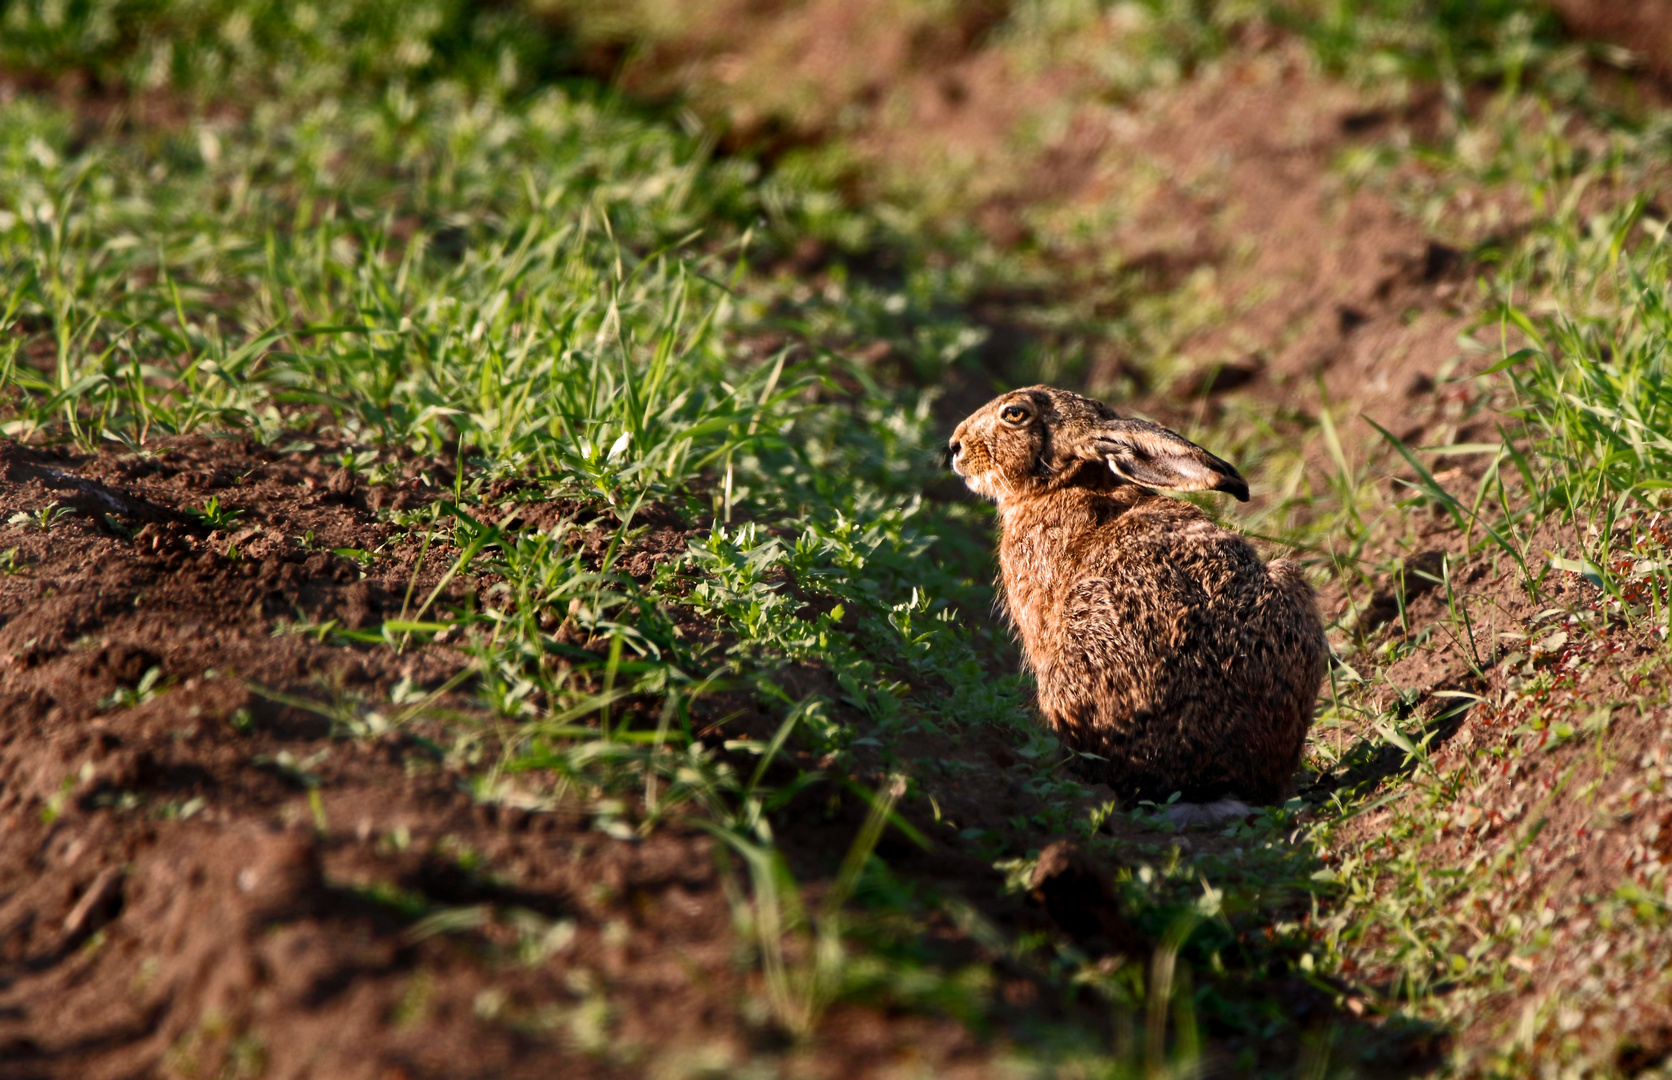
{"x": 1041, "y": 439}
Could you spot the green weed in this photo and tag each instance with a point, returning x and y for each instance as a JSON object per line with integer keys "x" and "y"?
{"x": 45, "y": 519}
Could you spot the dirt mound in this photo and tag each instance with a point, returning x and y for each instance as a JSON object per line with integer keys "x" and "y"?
{"x": 1306, "y": 277}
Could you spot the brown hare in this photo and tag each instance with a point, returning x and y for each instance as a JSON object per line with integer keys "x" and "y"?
{"x": 1161, "y": 642}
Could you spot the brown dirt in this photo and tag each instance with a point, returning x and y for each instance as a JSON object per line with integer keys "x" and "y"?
{"x": 778, "y": 76}
{"x": 1642, "y": 26}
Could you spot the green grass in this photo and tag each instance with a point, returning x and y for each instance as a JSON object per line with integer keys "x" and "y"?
{"x": 417, "y": 238}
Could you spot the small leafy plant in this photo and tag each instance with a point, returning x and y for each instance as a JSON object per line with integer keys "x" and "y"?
{"x": 213, "y": 515}
{"x": 129, "y": 697}
{"x": 45, "y": 519}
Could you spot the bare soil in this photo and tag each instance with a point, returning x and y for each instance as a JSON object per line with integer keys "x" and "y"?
{"x": 1642, "y": 26}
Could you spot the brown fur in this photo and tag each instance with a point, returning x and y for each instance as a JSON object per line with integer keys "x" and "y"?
{"x": 1160, "y": 641}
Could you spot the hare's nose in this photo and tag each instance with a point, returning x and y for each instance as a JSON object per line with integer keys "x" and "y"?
{"x": 954, "y": 447}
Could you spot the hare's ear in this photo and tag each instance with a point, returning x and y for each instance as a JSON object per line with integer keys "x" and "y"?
{"x": 1150, "y": 455}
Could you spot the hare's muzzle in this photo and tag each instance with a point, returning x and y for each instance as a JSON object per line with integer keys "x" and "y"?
{"x": 968, "y": 460}
{"x": 973, "y": 463}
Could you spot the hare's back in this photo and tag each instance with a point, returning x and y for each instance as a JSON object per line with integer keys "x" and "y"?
{"x": 1177, "y": 546}
{"x": 1178, "y": 587}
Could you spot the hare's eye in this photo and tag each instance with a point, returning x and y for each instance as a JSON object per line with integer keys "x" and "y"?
{"x": 1013, "y": 414}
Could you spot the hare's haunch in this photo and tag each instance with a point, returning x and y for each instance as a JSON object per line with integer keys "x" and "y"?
{"x": 1161, "y": 642}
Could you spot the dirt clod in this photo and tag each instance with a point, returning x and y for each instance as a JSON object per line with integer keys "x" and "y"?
{"x": 1078, "y": 893}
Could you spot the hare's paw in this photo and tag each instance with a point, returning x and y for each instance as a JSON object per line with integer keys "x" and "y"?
{"x": 1208, "y": 815}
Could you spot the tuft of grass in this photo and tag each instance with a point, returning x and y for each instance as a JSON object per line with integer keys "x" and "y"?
{"x": 806, "y": 974}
